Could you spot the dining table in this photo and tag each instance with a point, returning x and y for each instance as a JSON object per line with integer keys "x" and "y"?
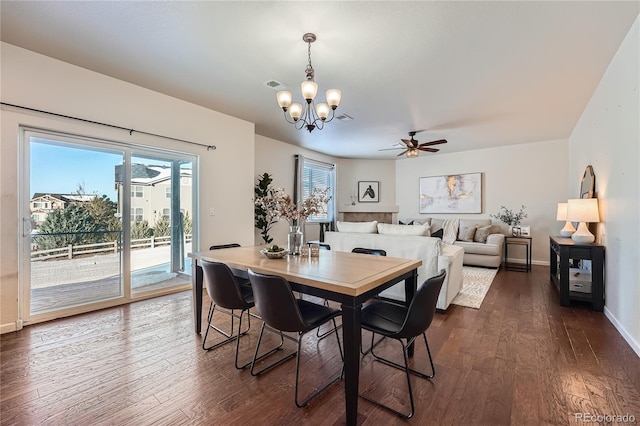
{"x": 347, "y": 278}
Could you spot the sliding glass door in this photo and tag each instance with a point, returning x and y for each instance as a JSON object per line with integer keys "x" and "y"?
{"x": 102, "y": 223}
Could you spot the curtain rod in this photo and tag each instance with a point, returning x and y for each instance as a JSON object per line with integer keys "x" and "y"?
{"x": 209, "y": 147}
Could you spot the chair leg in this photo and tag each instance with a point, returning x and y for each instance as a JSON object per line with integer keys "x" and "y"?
{"x": 408, "y": 371}
{"x": 231, "y": 336}
{"x": 332, "y": 381}
{"x": 258, "y": 358}
{"x": 324, "y": 334}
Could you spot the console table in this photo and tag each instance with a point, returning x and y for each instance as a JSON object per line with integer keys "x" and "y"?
{"x": 564, "y": 253}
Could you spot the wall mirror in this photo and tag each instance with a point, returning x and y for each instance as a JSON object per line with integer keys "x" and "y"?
{"x": 588, "y": 183}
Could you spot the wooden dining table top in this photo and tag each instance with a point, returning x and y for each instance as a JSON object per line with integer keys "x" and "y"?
{"x": 346, "y": 273}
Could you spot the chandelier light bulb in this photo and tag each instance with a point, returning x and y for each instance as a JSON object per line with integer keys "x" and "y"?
{"x": 295, "y": 111}
{"x": 309, "y": 90}
{"x": 322, "y": 110}
{"x": 333, "y": 98}
{"x": 412, "y": 153}
{"x": 284, "y": 98}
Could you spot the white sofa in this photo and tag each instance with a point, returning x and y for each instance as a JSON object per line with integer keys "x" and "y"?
{"x": 431, "y": 251}
{"x": 478, "y": 252}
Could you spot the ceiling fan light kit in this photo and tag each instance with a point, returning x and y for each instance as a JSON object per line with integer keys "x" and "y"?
{"x": 310, "y": 116}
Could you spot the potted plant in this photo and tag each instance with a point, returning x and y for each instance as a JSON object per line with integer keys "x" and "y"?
{"x": 262, "y": 221}
{"x": 508, "y": 217}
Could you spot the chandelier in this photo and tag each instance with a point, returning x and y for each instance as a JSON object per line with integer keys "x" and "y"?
{"x": 312, "y": 115}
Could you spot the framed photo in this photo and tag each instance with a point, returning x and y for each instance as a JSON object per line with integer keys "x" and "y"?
{"x": 369, "y": 191}
{"x": 451, "y": 193}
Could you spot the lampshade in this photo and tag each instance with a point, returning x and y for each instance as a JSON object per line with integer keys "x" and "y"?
{"x": 583, "y": 210}
{"x": 562, "y": 211}
{"x": 561, "y": 214}
{"x": 309, "y": 90}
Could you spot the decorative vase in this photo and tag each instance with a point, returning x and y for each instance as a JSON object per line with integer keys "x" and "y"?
{"x": 295, "y": 238}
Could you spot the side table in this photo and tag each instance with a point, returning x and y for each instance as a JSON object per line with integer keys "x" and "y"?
{"x": 525, "y": 242}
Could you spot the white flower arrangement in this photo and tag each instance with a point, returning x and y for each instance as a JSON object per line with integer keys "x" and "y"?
{"x": 277, "y": 205}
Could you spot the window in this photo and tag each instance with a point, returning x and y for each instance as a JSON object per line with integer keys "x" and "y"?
{"x": 313, "y": 174}
{"x": 137, "y": 214}
{"x": 167, "y": 192}
{"x": 136, "y": 191}
{"x": 166, "y": 214}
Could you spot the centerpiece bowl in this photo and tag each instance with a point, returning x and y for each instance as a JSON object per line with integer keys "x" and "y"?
{"x": 274, "y": 254}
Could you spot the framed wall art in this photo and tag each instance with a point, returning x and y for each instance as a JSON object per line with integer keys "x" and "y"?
{"x": 451, "y": 193}
{"x": 369, "y": 191}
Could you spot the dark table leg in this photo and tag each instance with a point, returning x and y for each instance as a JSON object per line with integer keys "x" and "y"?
{"x": 351, "y": 338}
{"x": 196, "y": 288}
{"x": 410, "y": 286}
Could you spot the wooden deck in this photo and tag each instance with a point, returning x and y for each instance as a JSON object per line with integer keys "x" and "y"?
{"x": 521, "y": 359}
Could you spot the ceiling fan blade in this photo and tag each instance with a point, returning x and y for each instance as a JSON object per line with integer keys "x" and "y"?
{"x": 408, "y": 142}
{"x": 389, "y": 149}
{"x": 403, "y": 153}
{"x": 438, "y": 142}
{"x": 422, "y": 148}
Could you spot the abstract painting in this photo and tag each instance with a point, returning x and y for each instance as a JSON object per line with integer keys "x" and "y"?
{"x": 451, "y": 193}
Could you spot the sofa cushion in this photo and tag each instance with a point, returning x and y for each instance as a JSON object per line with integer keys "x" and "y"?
{"x": 466, "y": 233}
{"x": 388, "y": 229}
{"x": 482, "y": 234}
{"x": 467, "y": 223}
{"x": 409, "y": 222}
{"x": 359, "y": 227}
{"x": 438, "y": 234}
{"x": 479, "y": 248}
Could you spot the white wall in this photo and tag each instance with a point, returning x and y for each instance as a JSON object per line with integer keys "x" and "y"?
{"x": 351, "y": 171}
{"x": 36, "y": 81}
{"x": 532, "y": 174}
{"x": 607, "y": 136}
{"x": 277, "y": 159}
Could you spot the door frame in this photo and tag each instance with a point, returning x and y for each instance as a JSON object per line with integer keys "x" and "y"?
{"x": 24, "y": 215}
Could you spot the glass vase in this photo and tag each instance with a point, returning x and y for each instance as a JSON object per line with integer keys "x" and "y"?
{"x": 295, "y": 239}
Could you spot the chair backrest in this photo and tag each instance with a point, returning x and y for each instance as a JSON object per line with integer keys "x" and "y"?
{"x": 222, "y": 286}
{"x": 422, "y": 307}
{"x": 374, "y": 252}
{"x": 276, "y": 303}
{"x": 224, "y": 246}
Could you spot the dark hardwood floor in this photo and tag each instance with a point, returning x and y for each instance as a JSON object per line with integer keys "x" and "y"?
{"x": 521, "y": 359}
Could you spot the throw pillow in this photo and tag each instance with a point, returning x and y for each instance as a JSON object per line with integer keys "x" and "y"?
{"x": 438, "y": 234}
{"x": 467, "y": 234}
{"x": 359, "y": 227}
{"x": 482, "y": 234}
{"x": 388, "y": 229}
{"x": 450, "y": 227}
{"x": 402, "y": 223}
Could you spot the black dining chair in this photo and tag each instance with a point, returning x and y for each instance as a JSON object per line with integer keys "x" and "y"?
{"x": 373, "y": 252}
{"x": 227, "y": 294}
{"x": 399, "y": 322}
{"x": 280, "y": 310}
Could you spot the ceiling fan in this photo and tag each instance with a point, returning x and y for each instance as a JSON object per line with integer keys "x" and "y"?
{"x": 413, "y": 148}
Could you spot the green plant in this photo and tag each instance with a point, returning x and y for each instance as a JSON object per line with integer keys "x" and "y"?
{"x": 507, "y": 216}
{"x": 263, "y": 222}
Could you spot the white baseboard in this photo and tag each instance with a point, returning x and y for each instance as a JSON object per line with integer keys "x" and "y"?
{"x": 625, "y": 335}
{"x": 10, "y": 327}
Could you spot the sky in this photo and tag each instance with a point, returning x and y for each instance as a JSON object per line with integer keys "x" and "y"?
{"x": 60, "y": 169}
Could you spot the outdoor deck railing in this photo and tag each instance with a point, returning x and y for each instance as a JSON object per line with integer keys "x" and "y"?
{"x": 70, "y": 251}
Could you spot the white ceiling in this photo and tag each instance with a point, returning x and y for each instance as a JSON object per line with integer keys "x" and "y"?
{"x": 480, "y": 74}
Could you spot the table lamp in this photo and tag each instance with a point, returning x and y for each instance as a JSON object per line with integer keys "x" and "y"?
{"x": 583, "y": 210}
{"x": 568, "y": 229}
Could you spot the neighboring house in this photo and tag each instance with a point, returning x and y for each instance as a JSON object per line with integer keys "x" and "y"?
{"x": 42, "y": 204}
{"x": 151, "y": 192}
